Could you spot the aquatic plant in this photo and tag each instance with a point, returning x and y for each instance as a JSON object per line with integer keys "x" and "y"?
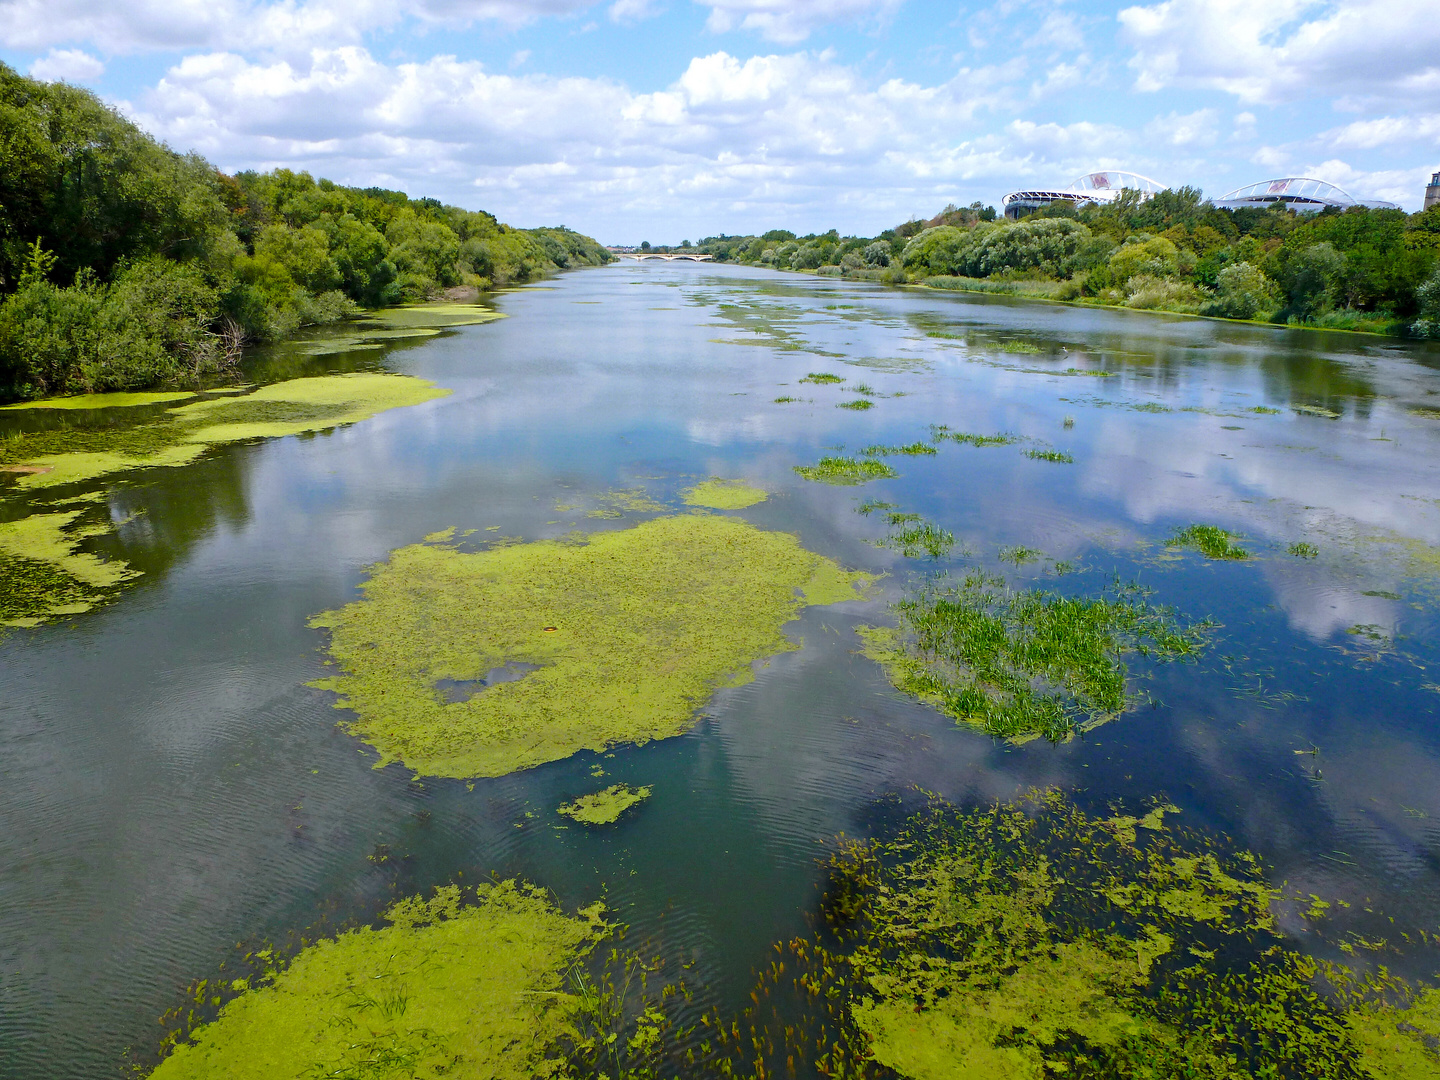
{"x": 604, "y": 807}
{"x": 1035, "y": 940}
{"x": 869, "y": 506}
{"x": 864, "y": 388}
{"x": 912, "y": 537}
{"x": 840, "y": 470}
{"x": 785, "y": 399}
{"x": 1023, "y": 664}
{"x": 629, "y": 633}
{"x": 943, "y": 432}
{"x": 822, "y": 377}
{"x": 915, "y": 449}
{"x": 1264, "y": 410}
{"x": 118, "y": 400}
{"x": 67, "y": 455}
{"x": 1210, "y": 540}
{"x": 1057, "y": 456}
{"x": 859, "y": 404}
{"x": 1316, "y": 410}
{"x": 463, "y": 985}
{"x": 1019, "y": 554}
{"x": 718, "y": 494}
{"x": 616, "y": 504}
{"x": 1302, "y": 550}
{"x": 1022, "y": 347}
{"x": 42, "y": 572}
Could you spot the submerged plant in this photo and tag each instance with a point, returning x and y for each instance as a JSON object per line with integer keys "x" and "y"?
{"x": 1301, "y": 550}
{"x": 840, "y": 470}
{"x": 869, "y": 506}
{"x": 621, "y": 636}
{"x": 1057, "y": 456}
{"x": 912, "y": 537}
{"x": 1036, "y": 940}
{"x": 1210, "y": 540}
{"x": 1023, "y": 664}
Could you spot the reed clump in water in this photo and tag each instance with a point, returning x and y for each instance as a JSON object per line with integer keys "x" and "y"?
{"x": 846, "y": 471}
{"x": 1210, "y": 540}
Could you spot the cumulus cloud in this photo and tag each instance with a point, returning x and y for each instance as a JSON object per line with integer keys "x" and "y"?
{"x": 1199, "y": 128}
{"x": 71, "y": 65}
{"x": 1286, "y": 49}
{"x": 789, "y": 21}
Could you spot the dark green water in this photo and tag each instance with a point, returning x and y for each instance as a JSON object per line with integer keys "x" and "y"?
{"x": 171, "y": 785}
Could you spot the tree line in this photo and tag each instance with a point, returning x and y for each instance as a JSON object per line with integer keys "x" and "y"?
{"x": 125, "y": 264}
{"x": 1358, "y": 268}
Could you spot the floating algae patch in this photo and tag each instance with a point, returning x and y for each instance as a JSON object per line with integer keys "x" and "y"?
{"x": 1018, "y": 942}
{"x": 718, "y": 494}
{"x": 1021, "y": 664}
{"x": 432, "y": 316}
{"x": 846, "y": 471}
{"x": 616, "y": 504}
{"x": 50, "y": 458}
{"x": 630, "y": 632}
{"x": 42, "y": 575}
{"x": 604, "y": 807}
{"x": 449, "y": 988}
{"x": 103, "y": 401}
{"x": 1210, "y": 540}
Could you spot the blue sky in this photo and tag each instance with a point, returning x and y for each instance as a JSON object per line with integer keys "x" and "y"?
{"x": 673, "y": 119}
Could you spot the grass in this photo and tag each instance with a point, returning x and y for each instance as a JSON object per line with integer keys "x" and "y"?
{"x": 846, "y": 471}
{"x": 1057, "y": 456}
{"x": 822, "y": 378}
{"x": 1264, "y": 410}
{"x": 869, "y": 506}
{"x": 913, "y": 537}
{"x": 1020, "y": 555}
{"x": 1022, "y": 347}
{"x": 864, "y": 388}
{"x": 1301, "y": 550}
{"x": 943, "y": 432}
{"x": 1210, "y": 540}
{"x": 915, "y": 449}
{"x": 859, "y": 404}
{"x": 785, "y": 400}
{"x": 1022, "y": 664}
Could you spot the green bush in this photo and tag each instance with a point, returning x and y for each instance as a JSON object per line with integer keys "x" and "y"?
{"x": 1310, "y": 277}
{"x": 1428, "y": 297}
{"x": 1242, "y": 291}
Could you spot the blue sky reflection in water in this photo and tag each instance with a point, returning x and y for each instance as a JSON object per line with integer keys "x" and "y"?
{"x": 173, "y": 787}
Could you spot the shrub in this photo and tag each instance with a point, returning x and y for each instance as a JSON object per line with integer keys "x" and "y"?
{"x": 1310, "y": 277}
{"x": 1428, "y": 297}
{"x": 1150, "y": 293}
{"x": 1242, "y": 292}
{"x": 1155, "y": 257}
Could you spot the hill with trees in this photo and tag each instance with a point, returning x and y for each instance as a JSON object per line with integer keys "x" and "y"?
{"x": 125, "y": 264}
{"x": 1364, "y": 269}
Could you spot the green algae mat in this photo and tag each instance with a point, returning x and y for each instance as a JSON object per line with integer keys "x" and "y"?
{"x": 718, "y": 494}
{"x": 460, "y": 990}
{"x": 604, "y": 807}
{"x": 625, "y": 634}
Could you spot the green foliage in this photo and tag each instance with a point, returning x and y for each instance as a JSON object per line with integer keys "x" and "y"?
{"x": 1428, "y": 298}
{"x": 1056, "y": 456}
{"x": 1242, "y": 292}
{"x": 1311, "y": 278}
{"x": 1021, "y": 664}
{"x": 1210, "y": 540}
{"x": 846, "y": 471}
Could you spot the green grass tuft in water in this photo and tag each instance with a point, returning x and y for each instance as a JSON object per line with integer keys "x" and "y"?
{"x": 859, "y": 404}
{"x": 915, "y": 449}
{"x": 1023, "y": 664}
{"x": 822, "y": 378}
{"x": 912, "y": 537}
{"x": 841, "y": 470}
{"x": 943, "y": 432}
{"x": 1022, "y": 347}
{"x": 1210, "y": 540}
{"x": 1301, "y": 550}
{"x": 1057, "y": 456}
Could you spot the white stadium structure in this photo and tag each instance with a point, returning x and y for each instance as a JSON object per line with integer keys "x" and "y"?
{"x": 1299, "y": 193}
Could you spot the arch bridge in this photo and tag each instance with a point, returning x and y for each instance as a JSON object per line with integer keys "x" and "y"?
{"x": 662, "y": 255}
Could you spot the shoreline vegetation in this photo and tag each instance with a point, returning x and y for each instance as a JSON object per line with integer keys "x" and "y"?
{"x": 126, "y": 266}
{"x": 1361, "y": 269}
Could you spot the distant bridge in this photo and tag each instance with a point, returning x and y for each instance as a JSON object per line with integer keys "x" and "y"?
{"x": 662, "y": 256}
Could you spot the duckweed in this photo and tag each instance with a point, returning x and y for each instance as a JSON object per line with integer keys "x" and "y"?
{"x": 604, "y": 807}
{"x": 718, "y": 494}
{"x": 846, "y": 471}
{"x": 1211, "y": 541}
{"x": 50, "y": 458}
{"x": 1018, "y": 665}
{"x": 647, "y": 621}
{"x": 42, "y": 575}
{"x": 457, "y": 986}
{"x": 1036, "y": 940}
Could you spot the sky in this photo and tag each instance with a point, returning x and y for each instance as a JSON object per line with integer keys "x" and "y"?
{"x": 665, "y": 120}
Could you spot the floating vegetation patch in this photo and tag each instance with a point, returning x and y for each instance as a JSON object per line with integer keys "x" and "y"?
{"x": 869, "y": 506}
{"x": 1057, "y": 456}
{"x": 1264, "y": 410}
{"x": 1022, "y": 664}
{"x": 43, "y": 575}
{"x": 1022, "y": 347}
{"x": 718, "y": 494}
{"x": 1019, "y": 555}
{"x": 822, "y": 378}
{"x": 464, "y": 985}
{"x": 1038, "y": 941}
{"x": 859, "y": 404}
{"x": 786, "y": 400}
{"x": 432, "y": 316}
{"x": 1316, "y": 410}
{"x": 604, "y": 807}
{"x": 913, "y": 538}
{"x": 1301, "y": 550}
{"x": 616, "y": 504}
{"x": 62, "y": 456}
{"x": 865, "y": 389}
{"x": 1210, "y": 540}
{"x": 1424, "y": 411}
{"x": 104, "y": 401}
{"x": 842, "y": 470}
{"x": 943, "y": 432}
{"x": 629, "y": 633}
{"x": 915, "y": 449}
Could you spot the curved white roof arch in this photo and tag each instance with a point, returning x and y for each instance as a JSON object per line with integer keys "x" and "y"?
{"x": 1302, "y": 193}
{"x": 1100, "y": 186}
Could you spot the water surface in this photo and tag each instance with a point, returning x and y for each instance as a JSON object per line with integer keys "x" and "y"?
{"x": 173, "y": 787}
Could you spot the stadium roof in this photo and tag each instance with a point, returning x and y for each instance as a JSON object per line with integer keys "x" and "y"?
{"x": 1299, "y": 193}
{"x": 1103, "y": 186}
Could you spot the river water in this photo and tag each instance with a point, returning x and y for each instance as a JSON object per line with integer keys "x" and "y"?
{"x": 172, "y": 787}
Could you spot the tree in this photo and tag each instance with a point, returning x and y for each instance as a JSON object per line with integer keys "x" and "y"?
{"x": 1310, "y": 277}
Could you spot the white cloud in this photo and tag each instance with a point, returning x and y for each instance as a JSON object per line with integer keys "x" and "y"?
{"x": 790, "y": 21}
{"x": 629, "y": 11}
{"x": 71, "y": 65}
{"x": 1193, "y": 129}
{"x": 1286, "y": 49}
{"x": 1384, "y": 131}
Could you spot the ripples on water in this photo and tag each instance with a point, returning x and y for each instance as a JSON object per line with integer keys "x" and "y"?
{"x": 172, "y": 786}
